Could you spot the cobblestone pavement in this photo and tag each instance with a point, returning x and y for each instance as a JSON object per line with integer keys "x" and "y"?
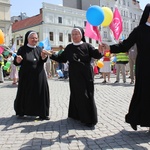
{"x": 61, "y": 133}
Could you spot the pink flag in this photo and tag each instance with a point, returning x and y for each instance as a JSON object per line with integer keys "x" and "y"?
{"x": 1, "y": 50}
{"x": 92, "y": 32}
{"x": 116, "y": 24}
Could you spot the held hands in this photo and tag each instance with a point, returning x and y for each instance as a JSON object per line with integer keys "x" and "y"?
{"x": 45, "y": 53}
{"x": 103, "y": 47}
{"x": 19, "y": 59}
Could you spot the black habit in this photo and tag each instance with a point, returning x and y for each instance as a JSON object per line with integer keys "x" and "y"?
{"x": 139, "y": 110}
{"x": 82, "y": 105}
{"x": 33, "y": 92}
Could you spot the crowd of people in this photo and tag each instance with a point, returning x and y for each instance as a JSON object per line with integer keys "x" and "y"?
{"x": 74, "y": 61}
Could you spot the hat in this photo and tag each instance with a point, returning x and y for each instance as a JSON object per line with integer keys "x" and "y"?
{"x": 82, "y": 33}
{"x": 27, "y": 35}
{"x": 145, "y": 14}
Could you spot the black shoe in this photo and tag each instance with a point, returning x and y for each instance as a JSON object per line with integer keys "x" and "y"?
{"x": 134, "y": 127}
{"x": 90, "y": 125}
{"x": 124, "y": 81}
{"x": 44, "y": 118}
{"x": 104, "y": 81}
{"x": 20, "y": 116}
{"x": 116, "y": 82}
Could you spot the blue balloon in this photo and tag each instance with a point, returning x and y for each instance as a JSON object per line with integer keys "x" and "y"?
{"x": 14, "y": 54}
{"x": 41, "y": 44}
{"x": 95, "y": 15}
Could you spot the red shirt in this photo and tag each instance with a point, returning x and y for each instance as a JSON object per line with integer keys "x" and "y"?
{"x": 106, "y": 55}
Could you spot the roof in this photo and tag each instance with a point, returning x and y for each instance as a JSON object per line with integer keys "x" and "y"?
{"x": 27, "y": 23}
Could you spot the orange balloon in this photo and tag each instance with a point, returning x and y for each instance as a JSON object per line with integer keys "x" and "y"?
{"x": 1, "y": 37}
{"x": 100, "y": 64}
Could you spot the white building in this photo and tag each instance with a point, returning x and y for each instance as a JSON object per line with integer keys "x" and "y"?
{"x": 56, "y": 22}
{"x": 5, "y": 22}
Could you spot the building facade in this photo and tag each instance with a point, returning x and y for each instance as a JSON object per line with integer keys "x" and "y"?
{"x": 56, "y": 22}
{"x": 5, "y": 22}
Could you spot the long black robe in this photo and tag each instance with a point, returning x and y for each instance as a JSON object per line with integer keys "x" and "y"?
{"x": 33, "y": 92}
{"x": 139, "y": 110}
{"x": 82, "y": 105}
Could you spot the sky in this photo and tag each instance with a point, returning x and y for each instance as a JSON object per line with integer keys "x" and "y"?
{"x": 32, "y": 7}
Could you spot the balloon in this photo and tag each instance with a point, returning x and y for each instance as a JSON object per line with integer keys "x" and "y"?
{"x": 1, "y": 37}
{"x": 100, "y": 64}
{"x": 6, "y": 68}
{"x": 14, "y": 54}
{"x": 8, "y": 64}
{"x": 95, "y": 15}
{"x": 107, "y": 54}
{"x": 108, "y": 16}
{"x": 41, "y": 44}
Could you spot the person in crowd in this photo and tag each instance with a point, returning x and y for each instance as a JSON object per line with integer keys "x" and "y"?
{"x": 60, "y": 65}
{"x": 13, "y": 69}
{"x": 132, "y": 58}
{"x": 1, "y": 68}
{"x": 122, "y": 60}
{"x": 106, "y": 69}
{"x": 48, "y": 67}
{"x": 32, "y": 97}
{"x": 82, "y": 105}
{"x": 66, "y": 68}
{"x": 113, "y": 61}
{"x": 139, "y": 110}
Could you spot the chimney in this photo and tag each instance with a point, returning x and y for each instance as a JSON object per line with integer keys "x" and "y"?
{"x": 41, "y": 10}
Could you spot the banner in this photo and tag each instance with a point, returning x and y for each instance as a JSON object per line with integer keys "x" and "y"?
{"x": 13, "y": 48}
{"x": 1, "y": 49}
{"x": 45, "y": 44}
{"x": 92, "y": 32}
{"x": 116, "y": 24}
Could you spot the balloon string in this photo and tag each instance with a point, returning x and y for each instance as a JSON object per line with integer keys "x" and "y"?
{"x": 8, "y": 49}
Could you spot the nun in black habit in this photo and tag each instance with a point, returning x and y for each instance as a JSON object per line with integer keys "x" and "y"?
{"x": 32, "y": 97}
{"x": 81, "y": 80}
{"x": 139, "y": 110}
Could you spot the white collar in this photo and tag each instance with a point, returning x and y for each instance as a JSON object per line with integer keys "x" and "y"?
{"x": 148, "y": 23}
{"x": 31, "y": 46}
{"x": 78, "y": 43}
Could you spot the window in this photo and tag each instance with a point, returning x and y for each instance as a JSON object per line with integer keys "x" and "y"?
{"x": 135, "y": 16}
{"x": 61, "y": 37}
{"x": 17, "y": 41}
{"x": 51, "y": 36}
{"x": 124, "y": 3}
{"x": 84, "y": 23}
{"x": 69, "y": 37}
{"x": 130, "y": 15}
{"x": 59, "y": 19}
{"x": 90, "y": 40}
{"x": 105, "y": 34}
{"x": 21, "y": 38}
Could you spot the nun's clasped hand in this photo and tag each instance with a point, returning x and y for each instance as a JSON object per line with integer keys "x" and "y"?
{"x": 19, "y": 59}
{"x": 43, "y": 54}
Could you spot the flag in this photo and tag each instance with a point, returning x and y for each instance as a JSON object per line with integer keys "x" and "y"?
{"x": 13, "y": 48}
{"x": 1, "y": 49}
{"x": 46, "y": 44}
{"x": 92, "y": 32}
{"x": 116, "y": 24}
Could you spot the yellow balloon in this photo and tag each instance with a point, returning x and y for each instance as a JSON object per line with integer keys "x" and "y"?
{"x": 100, "y": 64}
{"x": 1, "y": 37}
{"x": 108, "y": 16}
